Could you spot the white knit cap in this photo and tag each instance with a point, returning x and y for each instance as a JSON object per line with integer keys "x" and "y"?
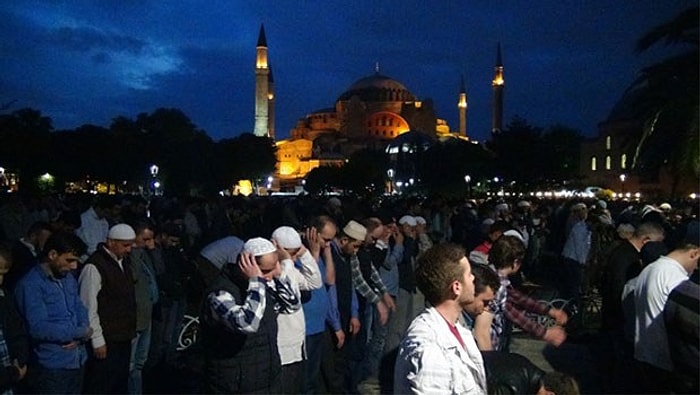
{"x": 355, "y": 230}
{"x": 408, "y": 220}
{"x": 420, "y": 220}
{"x": 258, "y": 246}
{"x": 287, "y": 237}
{"x": 514, "y": 233}
{"x": 121, "y": 232}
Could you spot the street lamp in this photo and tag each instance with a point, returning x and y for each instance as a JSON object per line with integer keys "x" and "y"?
{"x": 154, "y": 183}
{"x": 468, "y": 180}
{"x": 390, "y": 174}
{"x": 154, "y": 170}
{"x": 622, "y": 182}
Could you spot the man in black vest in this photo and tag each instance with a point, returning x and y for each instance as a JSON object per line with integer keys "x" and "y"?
{"x": 239, "y": 322}
{"x": 107, "y": 290}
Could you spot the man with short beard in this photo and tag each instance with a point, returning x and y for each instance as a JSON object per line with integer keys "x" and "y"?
{"x": 107, "y": 290}
{"x": 58, "y": 331}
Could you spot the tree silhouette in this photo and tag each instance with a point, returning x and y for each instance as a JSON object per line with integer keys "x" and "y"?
{"x": 665, "y": 96}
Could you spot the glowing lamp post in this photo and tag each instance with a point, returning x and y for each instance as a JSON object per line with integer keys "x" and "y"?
{"x": 468, "y": 180}
{"x": 155, "y": 184}
{"x": 390, "y": 174}
{"x": 622, "y": 183}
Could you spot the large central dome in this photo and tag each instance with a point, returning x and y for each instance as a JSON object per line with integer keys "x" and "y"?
{"x": 377, "y": 88}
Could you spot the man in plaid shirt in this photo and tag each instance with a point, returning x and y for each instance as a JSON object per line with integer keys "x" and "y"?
{"x": 239, "y": 322}
{"x": 492, "y": 329}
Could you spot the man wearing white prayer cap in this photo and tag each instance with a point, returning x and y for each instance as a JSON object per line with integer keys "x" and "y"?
{"x": 107, "y": 290}
{"x": 238, "y": 325}
{"x": 302, "y": 269}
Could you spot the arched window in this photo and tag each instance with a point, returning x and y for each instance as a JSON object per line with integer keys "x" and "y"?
{"x": 623, "y": 161}
{"x": 608, "y": 162}
{"x": 594, "y": 163}
{"x": 608, "y": 143}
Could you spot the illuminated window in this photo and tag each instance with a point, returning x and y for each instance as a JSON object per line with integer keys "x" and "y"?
{"x": 623, "y": 161}
{"x": 594, "y": 163}
{"x": 607, "y": 143}
{"x": 608, "y": 162}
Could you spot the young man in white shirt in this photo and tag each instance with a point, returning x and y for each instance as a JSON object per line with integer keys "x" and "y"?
{"x": 438, "y": 354}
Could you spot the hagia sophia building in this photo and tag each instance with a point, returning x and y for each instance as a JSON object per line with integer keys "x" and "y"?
{"x": 374, "y": 112}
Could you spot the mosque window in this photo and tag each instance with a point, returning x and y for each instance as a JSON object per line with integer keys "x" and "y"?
{"x": 594, "y": 163}
{"x": 608, "y": 142}
{"x": 608, "y": 163}
{"x": 383, "y": 121}
{"x": 623, "y": 161}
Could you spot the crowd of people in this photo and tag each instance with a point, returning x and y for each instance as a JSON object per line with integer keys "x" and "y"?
{"x": 338, "y": 295}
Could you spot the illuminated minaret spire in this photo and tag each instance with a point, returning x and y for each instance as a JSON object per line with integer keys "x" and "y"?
{"x": 497, "y": 84}
{"x": 271, "y": 105}
{"x": 462, "y": 105}
{"x": 262, "y": 84}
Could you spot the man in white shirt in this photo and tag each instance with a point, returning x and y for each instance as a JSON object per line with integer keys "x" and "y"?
{"x": 438, "y": 354}
{"x": 652, "y": 288}
{"x": 304, "y": 277}
{"x": 94, "y": 225}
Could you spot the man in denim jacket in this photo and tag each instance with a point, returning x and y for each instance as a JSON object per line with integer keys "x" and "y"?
{"x": 57, "y": 322}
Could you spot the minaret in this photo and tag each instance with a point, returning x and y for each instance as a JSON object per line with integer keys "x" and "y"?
{"x": 497, "y": 84}
{"x": 462, "y": 105}
{"x": 271, "y": 105}
{"x": 262, "y": 73}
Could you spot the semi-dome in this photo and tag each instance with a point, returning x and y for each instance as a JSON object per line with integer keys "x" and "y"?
{"x": 377, "y": 87}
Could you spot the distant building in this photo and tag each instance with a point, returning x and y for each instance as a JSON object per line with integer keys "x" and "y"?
{"x": 370, "y": 113}
{"x": 606, "y": 160}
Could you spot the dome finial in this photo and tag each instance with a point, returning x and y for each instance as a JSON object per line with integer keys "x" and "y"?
{"x": 376, "y": 67}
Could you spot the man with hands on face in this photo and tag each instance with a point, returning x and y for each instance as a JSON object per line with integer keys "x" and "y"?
{"x": 299, "y": 266}
{"x": 239, "y": 322}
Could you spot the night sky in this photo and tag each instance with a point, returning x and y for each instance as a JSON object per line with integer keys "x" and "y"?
{"x": 86, "y": 61}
